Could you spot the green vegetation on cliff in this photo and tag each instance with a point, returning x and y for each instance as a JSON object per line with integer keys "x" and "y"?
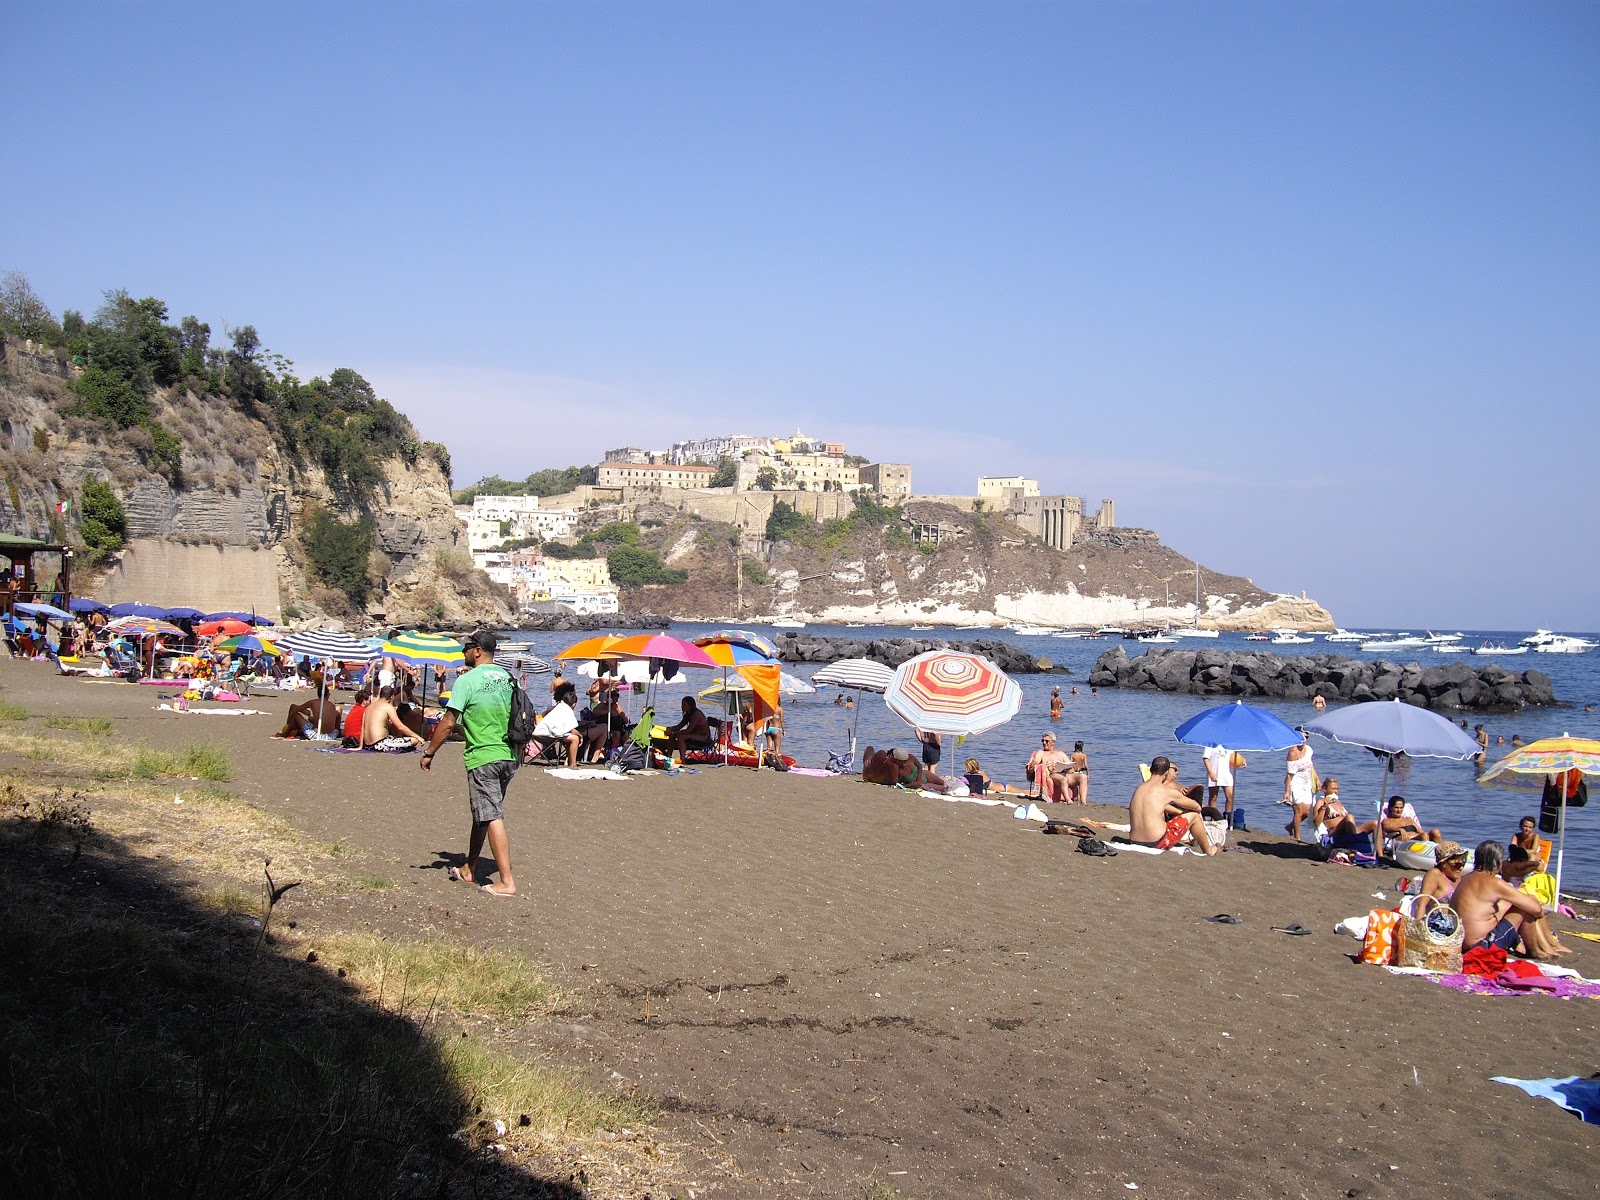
{"x": 552, "y": 481}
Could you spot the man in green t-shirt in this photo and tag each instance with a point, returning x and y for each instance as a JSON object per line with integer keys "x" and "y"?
{"x": 480, "y": 702}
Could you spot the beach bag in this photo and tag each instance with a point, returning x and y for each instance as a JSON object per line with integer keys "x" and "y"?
{"x": 1378, "y": 946}
{"x": 1430, "y": 939}
{"x": 631, "y": 757}
{"x": 1217, "y": 832}
{"x": 520, "y": 723}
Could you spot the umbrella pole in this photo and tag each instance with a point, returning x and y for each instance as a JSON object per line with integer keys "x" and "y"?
{"x": 1561, "y": 851}
{"x": 1377, "y": 832}
{"x": 854, "y": 726}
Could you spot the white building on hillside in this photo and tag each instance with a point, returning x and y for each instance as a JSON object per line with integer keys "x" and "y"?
{"x": 495, "y": 519}
{"x": 996, "y": 487}
{"x": 713, "y": 449}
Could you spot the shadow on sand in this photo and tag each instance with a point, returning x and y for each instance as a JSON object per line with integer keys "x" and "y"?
{"x": 154, "y": 1047}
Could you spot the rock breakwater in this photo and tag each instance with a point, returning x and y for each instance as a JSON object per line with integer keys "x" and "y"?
{"x": 1303, "y": 677}
{"x": 892, "y": 651}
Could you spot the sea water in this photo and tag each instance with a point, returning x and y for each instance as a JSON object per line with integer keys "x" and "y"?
{"x": 1122, "y": 728}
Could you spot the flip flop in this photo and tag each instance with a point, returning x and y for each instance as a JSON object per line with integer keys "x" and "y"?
{"x": 488, "y": 890}
{"x": 1292, "y": 930}
{"x": 1225, "y": 919}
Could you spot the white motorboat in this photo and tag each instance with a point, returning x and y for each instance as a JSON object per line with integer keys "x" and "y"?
{"x": 919, "y": 628}
{"x": 787, "y": 623}
{"x": 1111, "y": 630}
{"x": 1256, "y": 637}
{"x": 1344, "y": 635}
{"x": 1159, "y": 639}
{"x": 1194, "y": 631}
{"x": 1565, "y": 645}
{"x": 1402, "y": 641}
{"x": 1288, "y": 638}
{"x": 1027, "y": 630}
{"x": 1451, "y": 648}
{"x": 855, "y": 625}
{"x": 1069, "y": 633}
{"x": 1539, "y": 637}
{"x": 1486, "y": 648}
{"x": 1442, "y": 639}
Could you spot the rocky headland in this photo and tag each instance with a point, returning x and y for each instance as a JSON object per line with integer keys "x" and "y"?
{"x": 803, "y": 648}
{"x": 1331, "y": 676}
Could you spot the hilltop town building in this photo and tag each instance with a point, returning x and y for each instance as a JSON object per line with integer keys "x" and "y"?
{"x": 582, "y": 585}
{"x": 495, "y": 519}
{"x": 892, "y": 481}
{"x": 654, "y": 475}
{"x": 997, "y": 487}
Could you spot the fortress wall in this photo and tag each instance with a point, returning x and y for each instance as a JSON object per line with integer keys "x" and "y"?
{"x": 211, "y": 578}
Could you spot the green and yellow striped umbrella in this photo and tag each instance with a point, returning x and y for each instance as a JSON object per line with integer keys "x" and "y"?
{"x": 425, "y": 650}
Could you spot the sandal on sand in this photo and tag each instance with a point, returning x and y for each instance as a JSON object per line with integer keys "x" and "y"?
{"x": 1225, "y": 919}
{"x": 491, "y": 890}
{"x": 1292, "y": 930}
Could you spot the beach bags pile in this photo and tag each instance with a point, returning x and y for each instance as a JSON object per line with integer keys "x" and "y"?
{"x": 1379, "y": 946}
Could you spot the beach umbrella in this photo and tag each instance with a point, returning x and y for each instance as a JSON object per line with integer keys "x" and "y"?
{"x": 129, "y": 608}
{"x": 740, "y": 637}
{"x": 665, "y": 647}
{"x": 249, "y": 642}
{"x": 425, "y": 650}
{"x": 140, "y": 627}
{"x": 735, "y": 654}
{"x": 1528, "y": 766}
{"x": 595, "y": 648}
{"x": 249, "y": 618}
{"x": 48, "y": 611}
{"x": 860, "y": 675}
{"x": 517, "y": 660}
{"x": 1238, "y": 726}
{"x": 952, "y": 692}
{"x": 82, "y": 604}
{"x": 183, "y": 614}
{"x": 1394, "y": 727}
{"x": 788, "y": 685}
{"x": 226, "y": 626}
{"x": 327, "y": 643}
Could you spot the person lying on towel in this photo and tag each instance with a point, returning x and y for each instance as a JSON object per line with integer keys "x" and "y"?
{"x": 1161, "y": 814}
{"x": 890, "y": 767}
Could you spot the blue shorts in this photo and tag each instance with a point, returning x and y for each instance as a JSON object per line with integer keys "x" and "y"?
{"x": 1503, "y": 935}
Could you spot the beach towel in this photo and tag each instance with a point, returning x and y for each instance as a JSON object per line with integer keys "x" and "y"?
{"x": 585, "y": 773}
{"x": 325, "y": 749}
{"x": 213, "y": 712}
{"x": 1029, "y": 812}
{"x": 1576, "y": 1094}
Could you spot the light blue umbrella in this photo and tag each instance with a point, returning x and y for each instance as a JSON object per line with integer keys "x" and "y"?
{"x": 1238, "y": 726}
{"x": 1394, "y": 727}
{"x": 49, "y": 611}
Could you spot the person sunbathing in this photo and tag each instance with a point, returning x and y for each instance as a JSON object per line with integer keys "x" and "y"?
{"x": 1400, "y": 827}
{"x": 897, "y": 766}
{"x": 1493, "y": 913}
{"x": 1526, "y": 854}
{"x": 317, "y": 717}
{"x": 1450, "y": 861}
{"x": 1332, "y": 818}
{"x": 1161, "y": 814}
{"x": 383, "y": 729}
{"x": 977, "y": 781}
{"x": 1043, "y": 767}
{"x": 692, "y": 732}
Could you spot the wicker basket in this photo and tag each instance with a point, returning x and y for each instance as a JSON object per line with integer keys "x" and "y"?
{"x": 1420, "y": 946}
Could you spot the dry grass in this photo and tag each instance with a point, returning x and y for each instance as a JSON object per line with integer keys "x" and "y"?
{"x": 95, "y": 726}
{"x": 10, "y": 710}
{"x": 441, "y": 975}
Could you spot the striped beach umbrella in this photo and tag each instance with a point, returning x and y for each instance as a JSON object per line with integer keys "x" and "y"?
{"x": 327, "y": 643}
{"x": 739, "y": 637}
{"x": 143, "y": 627}
{"x": 425, "y": 650}
{"x": 952, "y": 692}
{"x": 860, "y": 674}
{"x": 248, "y": 642}
{"x": 1555, "y": 757}
{"x": 518, "y": 660}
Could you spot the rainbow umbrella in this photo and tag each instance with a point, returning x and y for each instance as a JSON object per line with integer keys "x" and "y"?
{"x": 249, "y": 641}
{"x": 144, "y": 627}
{"x": 952, "y": 692}
{"x": 740, "y": 637}
{"x": 1528, "y": 766}
{"x": 424, "y": 650}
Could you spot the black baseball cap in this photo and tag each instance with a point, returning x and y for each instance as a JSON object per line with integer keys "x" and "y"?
{"x": 483, "y": 640}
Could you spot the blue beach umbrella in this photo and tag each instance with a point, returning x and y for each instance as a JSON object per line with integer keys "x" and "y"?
{"x": 182, "y": 613}
{"x": 82, "y": 604}
{"x": 129, "y": 608}
{"x": 1238, "y": 726}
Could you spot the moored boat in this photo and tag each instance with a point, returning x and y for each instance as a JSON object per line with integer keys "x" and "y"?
{"x": 1488, "y": 648}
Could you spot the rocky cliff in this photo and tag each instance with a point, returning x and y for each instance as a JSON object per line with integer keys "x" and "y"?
{"x": 236, "y": 486}
{"x": 933, "y": 564}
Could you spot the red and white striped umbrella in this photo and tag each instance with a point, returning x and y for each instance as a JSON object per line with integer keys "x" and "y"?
{"x": 951, "y": 692}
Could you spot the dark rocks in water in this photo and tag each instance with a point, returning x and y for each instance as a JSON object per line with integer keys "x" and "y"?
{"x": 892, "y": 651}
{"x": 1454, "y": 686}
{"x": 588, "y": 622}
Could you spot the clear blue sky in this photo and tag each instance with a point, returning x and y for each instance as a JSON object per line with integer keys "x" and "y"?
{"x": 1310, "y": 288}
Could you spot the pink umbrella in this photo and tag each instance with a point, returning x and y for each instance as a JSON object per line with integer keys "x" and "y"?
{"x": 661, "y": 645}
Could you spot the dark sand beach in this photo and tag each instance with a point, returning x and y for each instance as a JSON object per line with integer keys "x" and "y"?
{"x": 825, "y": 984}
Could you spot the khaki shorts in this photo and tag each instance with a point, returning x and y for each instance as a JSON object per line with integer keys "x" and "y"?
{"x": 486, "y": 790}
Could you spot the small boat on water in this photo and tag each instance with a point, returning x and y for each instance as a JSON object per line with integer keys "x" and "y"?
{"x": 1291, "y": 639}
{"x": 1158, "y": 639}
{"x": 1402, "y": 641}
{"x": 1070, "y": 633}
{"x": 1442, "y": 639}
{"x": 1195, "y": 631}
{"x": 1111, "y": 630}
{"x": 787, "y": 623}
{"x": 1565, "y": 645}
{"x": 919, "y": 628}
{"x": 855, "y": 625}
{"x": 1256, "y": 637}
{"x": 1344, "y": 635}
{"x": 1027, "y": 630}
{"x": 1451, "y": 648}
{"x": 1487, "y": 648}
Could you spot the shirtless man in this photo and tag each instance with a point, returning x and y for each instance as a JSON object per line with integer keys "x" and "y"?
{"x": 1043, "y": 765}
{"x": 1493, "y": 913}
{"x": 319, "y": 714}
{"x": 1399, "y": 826}
{"x": 382, "y": 729}
{"x": 1159, "y": 805}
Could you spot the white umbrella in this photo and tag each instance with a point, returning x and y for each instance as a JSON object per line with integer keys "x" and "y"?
{"x": 857, "y": 674}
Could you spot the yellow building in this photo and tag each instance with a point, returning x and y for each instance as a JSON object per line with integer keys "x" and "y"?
{"x": 653, "y": 475}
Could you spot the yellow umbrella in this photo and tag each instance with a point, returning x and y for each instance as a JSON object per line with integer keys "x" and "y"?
{"x": 1528, "y": 766}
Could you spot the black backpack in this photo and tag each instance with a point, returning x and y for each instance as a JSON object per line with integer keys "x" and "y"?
{"x": 519, "y": 725}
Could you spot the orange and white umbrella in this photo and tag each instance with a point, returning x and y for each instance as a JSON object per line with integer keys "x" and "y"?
{"x": 952, "y": 692}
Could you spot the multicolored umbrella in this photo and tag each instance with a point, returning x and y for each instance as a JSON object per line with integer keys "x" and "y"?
{"x": 595, "y": 647}
{"x": 143, "y": 627}
{"x": 663, "y": 646}
{"x": 425, "y": 650}
{"x": 327, "y": 643}
{"x": 952, "y": 692}
{"x": 1529, "y": 766}
{"x": 249, "y": 642}
{"x": 739, "y": 637}
{"x": 735, "y": 654}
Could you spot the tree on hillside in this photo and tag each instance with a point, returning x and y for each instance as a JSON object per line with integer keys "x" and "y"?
{"x": 726, "y": 474}
{"x": 783, "y": 522}
{"x": 23, "y": 313}
{"x": 766, "y": 479}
